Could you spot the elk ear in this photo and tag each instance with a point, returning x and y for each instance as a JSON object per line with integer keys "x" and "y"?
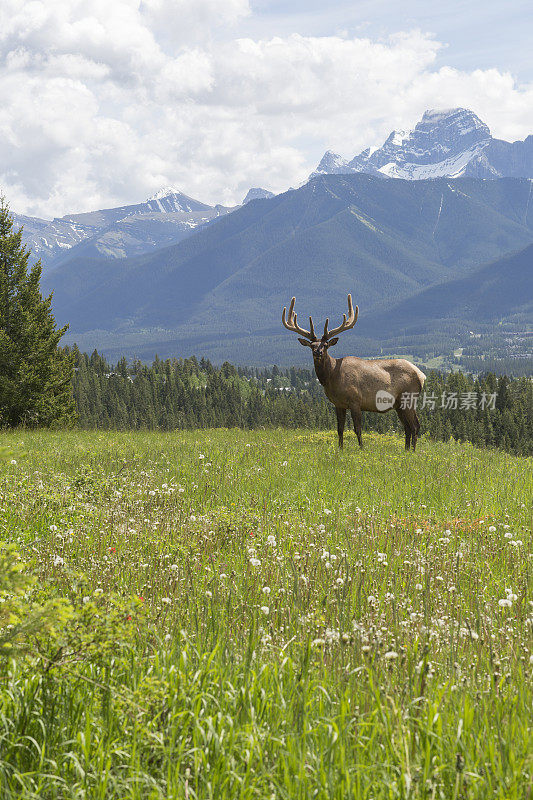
{"x": 305, "y": 342}
{"x": 333, "y": 341}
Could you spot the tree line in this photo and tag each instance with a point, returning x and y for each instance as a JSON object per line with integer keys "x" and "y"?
{"x": 489, "y": 411}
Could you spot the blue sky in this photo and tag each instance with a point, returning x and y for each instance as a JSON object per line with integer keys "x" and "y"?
{"x": 102, "y": 103}
{"x": 477, "y": 35}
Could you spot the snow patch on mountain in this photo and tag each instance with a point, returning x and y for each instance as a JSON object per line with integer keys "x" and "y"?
{"x": 453, "y": 167}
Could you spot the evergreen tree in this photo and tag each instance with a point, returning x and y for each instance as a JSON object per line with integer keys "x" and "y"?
{"x": 35, "y": 373}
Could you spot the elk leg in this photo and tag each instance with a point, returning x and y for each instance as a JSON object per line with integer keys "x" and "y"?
{"x": 415, "y": 430}
{"x": 402, "y": 414}
{"x": 356, "y": 416}
{"x": 341, "y": 419}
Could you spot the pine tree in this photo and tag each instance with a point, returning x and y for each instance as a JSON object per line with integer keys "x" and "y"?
{"x": 35, "y": 373}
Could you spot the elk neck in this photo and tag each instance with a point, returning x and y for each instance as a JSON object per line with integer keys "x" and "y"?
{"x": 324, "y": 368}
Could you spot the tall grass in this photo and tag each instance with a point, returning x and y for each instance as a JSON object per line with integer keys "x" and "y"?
{"x": 314, "y": 623}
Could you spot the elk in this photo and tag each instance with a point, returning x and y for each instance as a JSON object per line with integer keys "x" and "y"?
{"x": 360, "y": 384}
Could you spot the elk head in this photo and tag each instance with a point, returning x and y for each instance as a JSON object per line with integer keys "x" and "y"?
{"x": 309, "y": 338}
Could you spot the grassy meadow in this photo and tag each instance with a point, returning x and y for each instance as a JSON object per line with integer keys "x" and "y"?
{"x": 257, "y": 615}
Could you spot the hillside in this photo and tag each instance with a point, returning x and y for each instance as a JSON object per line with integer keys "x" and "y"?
{"x": 220, "y": 291}
{"x": 500, "y": 290}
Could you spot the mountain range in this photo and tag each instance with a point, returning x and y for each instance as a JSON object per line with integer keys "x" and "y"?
{"x": 420, "y": 230}
{"x": 220, "y": 291}
{"x": 165, "y": 218}
{"x": 448, "y": 143}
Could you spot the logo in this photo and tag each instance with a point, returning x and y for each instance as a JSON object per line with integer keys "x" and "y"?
{"x": 384, "y": 400}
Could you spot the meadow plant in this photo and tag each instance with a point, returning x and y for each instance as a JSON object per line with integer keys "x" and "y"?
{"x": 256, "y": 615}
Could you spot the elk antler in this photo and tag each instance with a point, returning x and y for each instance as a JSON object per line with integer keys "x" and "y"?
{"x": 346, "y": 324}
{"x": 292, "y": 325}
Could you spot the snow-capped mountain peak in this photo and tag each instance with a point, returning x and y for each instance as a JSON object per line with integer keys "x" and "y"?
{"x": 449, "y": 142}
{"x": 331, "y": 164}
{"x": 169, "y": 199}
{"x": 164, "y": 191}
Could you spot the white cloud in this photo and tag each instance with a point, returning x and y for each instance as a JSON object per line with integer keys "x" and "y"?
{"x": 183, "y": 21}
{"x": 101, "y": 103}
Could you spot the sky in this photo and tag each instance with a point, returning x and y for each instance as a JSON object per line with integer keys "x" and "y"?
{"x": 104, "y": 102}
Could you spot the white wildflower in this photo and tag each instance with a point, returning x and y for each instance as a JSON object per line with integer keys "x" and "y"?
{"x": 331, "y": 635}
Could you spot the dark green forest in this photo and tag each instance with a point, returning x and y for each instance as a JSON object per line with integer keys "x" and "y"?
{"x": 489, "y": 411}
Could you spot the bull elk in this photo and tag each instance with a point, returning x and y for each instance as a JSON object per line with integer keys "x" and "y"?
{"x": 359, "y": 384}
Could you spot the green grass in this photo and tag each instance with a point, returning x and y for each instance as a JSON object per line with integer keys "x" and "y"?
{"x": 315, "y": 624}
